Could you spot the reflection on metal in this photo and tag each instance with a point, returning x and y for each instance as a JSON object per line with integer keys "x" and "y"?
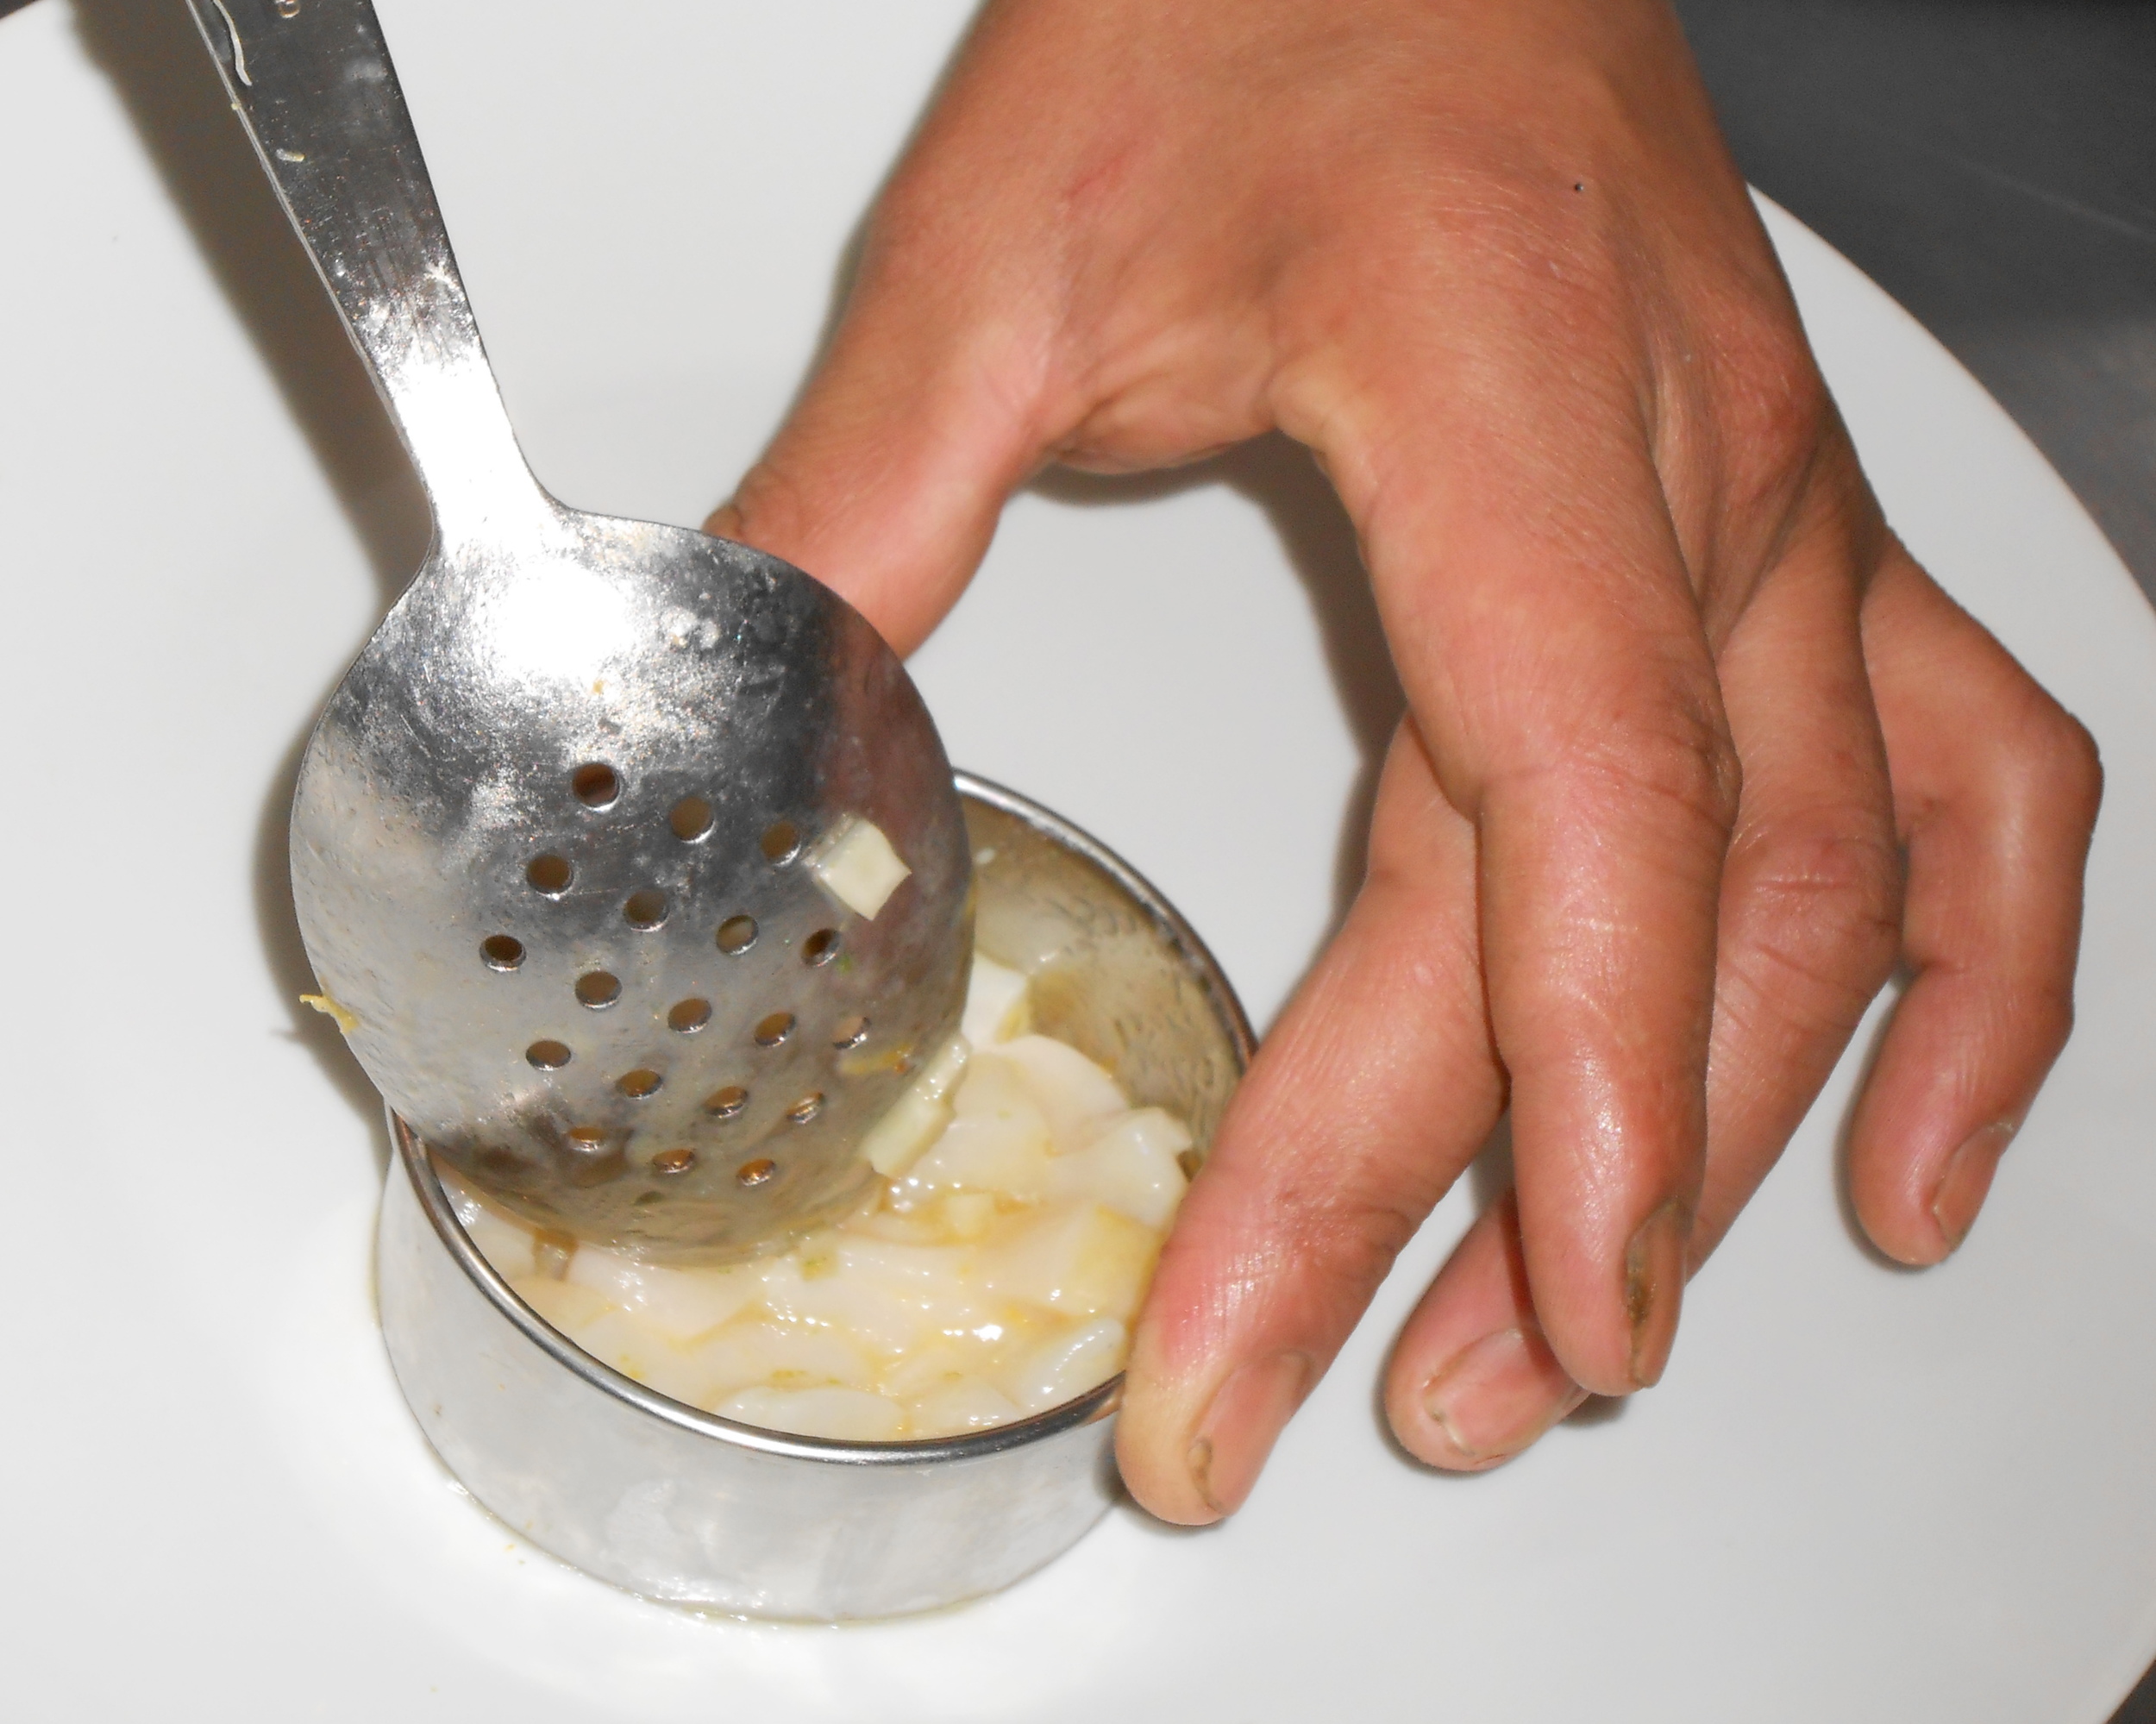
{"x": 444, "y": 811}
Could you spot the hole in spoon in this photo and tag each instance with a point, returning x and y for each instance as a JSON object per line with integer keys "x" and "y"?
{"x": 691, "y": 818}
{"x": 501, "y": 952}
{"x": 596, "y": 784}
{"x": 645, "y": 910}
{"x": 757, "y": 1172}
{"x": 549, "y": 875}
{"x": 724, "y": 1103}
{"x": 671, "y": 1162}
{"x": 774, "y": 1029}
{"x": 850, "y": 1034}
{"x": 548, "y": 1055}
{"x": 806, "y": 1109}
{"x": 598, "y": 989}
{"x": 736, "y": 934}
{"x": 689, "y": 1015}
{"x": 639, "y": 1083}
{"x": 598, "y": 1158}
{"x": 781, "y": 841}
{"x": 820, "y": 948}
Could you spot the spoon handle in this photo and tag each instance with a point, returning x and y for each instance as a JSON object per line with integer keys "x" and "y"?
{"x": 311, "y": 80}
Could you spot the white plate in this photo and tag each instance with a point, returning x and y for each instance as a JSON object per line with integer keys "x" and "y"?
{"x": 1862, "y": 1493}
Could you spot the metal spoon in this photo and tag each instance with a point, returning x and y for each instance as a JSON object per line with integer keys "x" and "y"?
{"x": 557, "y": 837}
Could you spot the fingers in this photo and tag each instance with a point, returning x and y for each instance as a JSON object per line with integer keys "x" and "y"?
{"x": 1812, "y": 893}
{"x": 1375, "y": 1089}
{"x": 1472, "y": 1380}
{"x": 1550, "y": 641}
{"x": 1996, "y": 789}
{"x": 1809, "y": 929}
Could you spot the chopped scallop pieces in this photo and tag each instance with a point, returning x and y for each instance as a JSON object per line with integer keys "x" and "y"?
{"x": 993, "y": 1272}
{"x": 1080, "y": 1258}
{"x": 997, "y": 1140}
{"x": 1132, "y": 1164}
{"x": 917, "y": 1118}
{"x": 566, "y": 1307}
{"x": 502, "y": 1240}
{"x": 996, "y": 1004}
{"x": 681, "y": 1304}
{"x": 850, "y": 1414}
{"x": 783, "y": 1355}
{"x": 1067, "y": 1366}
{"x": 635, "y": 1349}
{"x": 965, "y": 1403}
{"x": 1074, "y": 1094}
{"x": 866, "y": 1289}
{"x": 857, "y": 866}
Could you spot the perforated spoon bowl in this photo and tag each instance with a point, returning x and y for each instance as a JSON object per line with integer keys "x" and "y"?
{"x": 558, "y": 840}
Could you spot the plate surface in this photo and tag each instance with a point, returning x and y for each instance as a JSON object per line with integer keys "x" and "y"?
{"x": 1861, "y": 1494}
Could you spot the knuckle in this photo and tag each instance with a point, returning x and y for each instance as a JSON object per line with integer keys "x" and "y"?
{"x": 769, "y": 507}
{"x": 2046, "y": 770}
{"x": 1822, "y": 904}
{"x": 2047, "y": 1018}
{"x": 1681, "y": 762}
{"x": 1774, "y": 414}
{"x": 1342, "y": 1233}
{"x": 2072, "y": 766}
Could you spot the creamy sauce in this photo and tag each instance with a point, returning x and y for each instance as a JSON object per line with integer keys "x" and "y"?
{"x": 993, "y": 1272}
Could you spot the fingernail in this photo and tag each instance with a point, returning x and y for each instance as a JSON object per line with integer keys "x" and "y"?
{"x": 1492, "y": 1398}
{"x": 1239, "y": 1429}
{"x": 1654, "y": 1287}
{"x": 1967, "y": 1179}
{"x": 725, "y": 523}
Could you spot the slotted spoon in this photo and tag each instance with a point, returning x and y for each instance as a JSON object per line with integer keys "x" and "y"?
{"x": 562, "y": 837}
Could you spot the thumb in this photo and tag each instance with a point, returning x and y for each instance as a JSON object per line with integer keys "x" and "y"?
{"x": 888, "y": 476}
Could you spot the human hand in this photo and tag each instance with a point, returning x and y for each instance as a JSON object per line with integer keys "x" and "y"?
{"x": 1678, "y": 704}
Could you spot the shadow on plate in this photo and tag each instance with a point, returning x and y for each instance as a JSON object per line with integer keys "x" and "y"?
{"x": 172, "y": 93}
{"x": 1280, "y": 477}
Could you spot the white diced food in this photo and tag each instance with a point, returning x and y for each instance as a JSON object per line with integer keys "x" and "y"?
{"x": 846, "y": 1414}
{"x": 935, "y": 1364}
{"x": 863, "y": 1290}
{"x": 1076, "y": 1095}
{"x": 963, "y": 1403}
{"x": 561, "y": 1304}
{"x": 497, "y": 1236}
{"x": 1132, "y": 1165}
{"x": 633, "y": 1348}
{"x": 993, "y": 1271}
{"x": 1080, "y": 1258}
{"x": 785, "y": 1355}
{"x": 856, "y": 865}
{"x": 1065, "y": 1367}
{"x": 966, "y": 1214}
{"x": 997, "y": 1140}
{"x": 996, "y": 1007}
{"x": 681, "y": 1304}
{"x": 917, "y": 1117}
